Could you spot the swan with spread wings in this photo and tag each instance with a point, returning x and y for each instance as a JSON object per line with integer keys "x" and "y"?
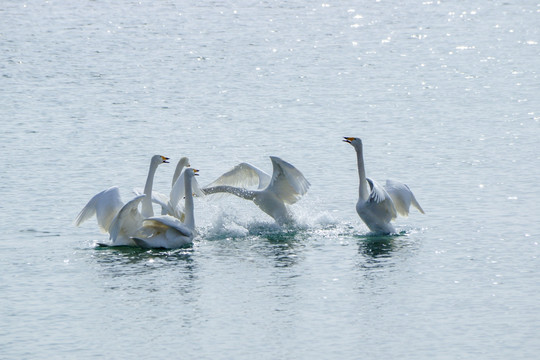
{"x": 285, "y": 187}
{"x": 121, "y": 220}
{"x": 378, "y": 205}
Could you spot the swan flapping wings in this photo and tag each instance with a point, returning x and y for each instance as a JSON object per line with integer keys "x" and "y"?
{"x": 288, "y": 183}
{"x": 286, "y": 186}
{"x": 243, "y": 175}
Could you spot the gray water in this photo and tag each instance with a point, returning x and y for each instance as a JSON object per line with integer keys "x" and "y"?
{"x": 444, "y": 95}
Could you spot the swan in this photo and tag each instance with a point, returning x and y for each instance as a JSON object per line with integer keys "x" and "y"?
{"x": 167, "y": 208}
{"x": 167, "y": 231}
{"x": 377, "y": 206}
{"x": 170, "y": 205}
{"x": 118, "y": 219}
{"x": 286, "y": 186}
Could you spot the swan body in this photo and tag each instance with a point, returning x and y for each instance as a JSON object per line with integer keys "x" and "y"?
{"x": 163, "y": 232}
{"x": 166, "y": 231}
{"x": 286, "y": 186}
{"x": 378, "y": 205}
{"x": 121, "y": 220}
{"x": 126, "y": 223}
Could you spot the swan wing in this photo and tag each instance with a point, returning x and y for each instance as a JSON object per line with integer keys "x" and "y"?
{"x": 402, "y": 197}
{"x": 196, "y": 188}
{"x": 381, "y": 197}
{"x": 377, "y": 193}
{"x": 224, "y": 189}
{"x": 128, "y": 219}
{"x": 105, "y": 205}
{"x": 178, "y": 191}
{"x": 243, "y": 175}
{"x": 162, "y": 223}
{"x": 288, "y": 183}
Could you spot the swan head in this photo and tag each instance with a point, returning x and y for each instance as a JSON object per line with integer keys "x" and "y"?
{"x": 190, "y": 172}
{"x": 159, "y": 159}
{"x": 354, "y": 141}
{"x": 184, "y": 162}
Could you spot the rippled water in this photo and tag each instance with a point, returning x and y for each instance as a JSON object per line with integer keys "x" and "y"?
{"x": 444, "y": 95}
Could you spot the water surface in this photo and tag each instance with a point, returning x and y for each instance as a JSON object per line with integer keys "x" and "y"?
{"x": 443, "y": 94}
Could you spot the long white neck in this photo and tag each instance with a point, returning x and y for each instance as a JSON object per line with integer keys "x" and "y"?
{"x": 188, "y": 210}
{"x": 177, "y": 172}
{"x": 363, "y": 191}
{"x": 146, "y": 207}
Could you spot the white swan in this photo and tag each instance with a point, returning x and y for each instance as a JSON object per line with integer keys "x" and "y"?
{"x": 286, "y": 186}
{"x": 167, "y": 231}
{"x": 377, "y": 206}
{"x": 169, "y": 204}
{"x": 121, "y": 220}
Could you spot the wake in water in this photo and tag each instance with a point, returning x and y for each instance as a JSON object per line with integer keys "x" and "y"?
{"x": 227, "y": 225}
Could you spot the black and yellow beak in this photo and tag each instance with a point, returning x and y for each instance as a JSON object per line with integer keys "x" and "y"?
{"x": 164, "y": 159}
{"x": 348, "y": 139}
{"x": 196, "y": 172}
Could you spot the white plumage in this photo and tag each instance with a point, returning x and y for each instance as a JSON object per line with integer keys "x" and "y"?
{"x": 286, "y": 186}
{"x": 167, "y": 231}
{"x": 378, "y": 205}
{"x": 121, "y": 220}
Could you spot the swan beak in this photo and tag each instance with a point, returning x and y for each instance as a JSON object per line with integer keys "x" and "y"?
{"x": 164, "y": 159}
{"x": 348, "y": 139}
{"x": 195, "y": 172}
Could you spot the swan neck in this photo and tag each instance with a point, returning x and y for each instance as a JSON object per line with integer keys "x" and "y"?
{"x": 188, "y": 211}
{"x": 177, "y": 173}
{"x": 147, "y": 210}
{"x": 363, "y": 192}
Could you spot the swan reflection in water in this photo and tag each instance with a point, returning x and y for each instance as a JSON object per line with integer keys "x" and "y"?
{"x": 127, "y": 261}
{"x": 378, "y": 249}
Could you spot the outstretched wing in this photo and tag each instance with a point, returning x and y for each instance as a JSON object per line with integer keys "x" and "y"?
{"x": 243, "y": 175}
{"x": 288, "y": 183}
{"x": 105, "y": 205}
{"x": 225, "y": 189}
{"x": 402, "y": 197}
